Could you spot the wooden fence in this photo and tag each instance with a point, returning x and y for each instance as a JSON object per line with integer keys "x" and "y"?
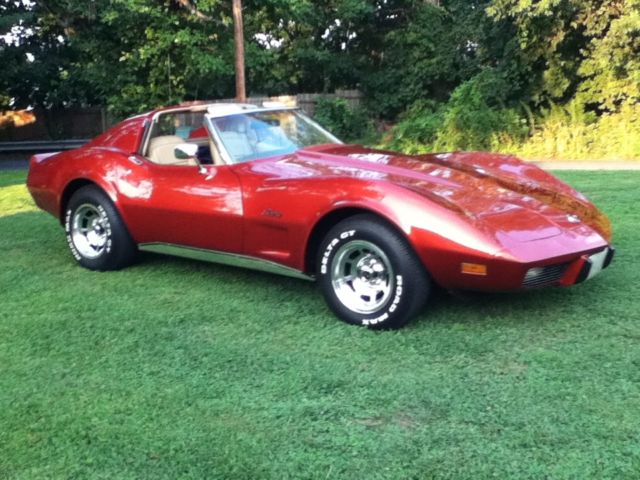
{"x": 59, "y": 124}
{"x": 84, "y": 123}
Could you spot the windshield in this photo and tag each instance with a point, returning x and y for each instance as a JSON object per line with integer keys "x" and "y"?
{"x": 248, "y": 136}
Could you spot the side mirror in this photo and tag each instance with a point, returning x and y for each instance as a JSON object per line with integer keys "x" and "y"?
{"x": 185, "y": 151}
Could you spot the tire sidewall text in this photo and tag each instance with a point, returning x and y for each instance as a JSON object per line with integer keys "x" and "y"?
{"x": 394, "y": 303}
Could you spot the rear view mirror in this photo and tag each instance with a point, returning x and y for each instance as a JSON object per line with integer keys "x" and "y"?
{"x": 185, "y": 151}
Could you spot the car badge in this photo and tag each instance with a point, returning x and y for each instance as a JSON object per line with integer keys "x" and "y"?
{"x": 270, "y": 212}
{"x": 573, "y": 218}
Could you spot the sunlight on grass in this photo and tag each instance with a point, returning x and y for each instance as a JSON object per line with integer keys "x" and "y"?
{"x": 15, "y": 199}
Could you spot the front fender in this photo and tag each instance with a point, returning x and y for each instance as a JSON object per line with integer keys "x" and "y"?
{"x": 430, "y": 227}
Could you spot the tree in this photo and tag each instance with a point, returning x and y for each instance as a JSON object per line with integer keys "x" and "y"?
{"x": 129, "y": 54}
{"x": 587, "y": 49}
{"x": 137, "y": 54}
{"x": 610, "y": 72}
{"x": 241, "y": 94}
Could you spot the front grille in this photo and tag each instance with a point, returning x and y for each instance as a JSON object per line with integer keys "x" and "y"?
{"x": 544, "y": 276}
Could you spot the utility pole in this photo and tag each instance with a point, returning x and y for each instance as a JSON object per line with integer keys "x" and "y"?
{"x": 238, "y": 30}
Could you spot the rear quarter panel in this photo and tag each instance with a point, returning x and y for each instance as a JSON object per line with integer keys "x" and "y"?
{"x": 49, "y": 176}
{"x": 100, "y": 161}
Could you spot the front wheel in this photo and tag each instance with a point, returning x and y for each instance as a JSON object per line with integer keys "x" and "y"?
{"x": 97, "y": 236}
{"x": 370, "y": 275}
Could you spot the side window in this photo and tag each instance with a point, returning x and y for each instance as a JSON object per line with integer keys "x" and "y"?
{"x": 172, "y": 129}
{"x": 185, "y": 125}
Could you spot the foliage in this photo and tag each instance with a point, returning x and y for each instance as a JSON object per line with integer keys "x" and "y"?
{"x": 585, "y": 47}
{"x": 470, "y": 64}
{"x": 179, "y": 369}
{"x": 347, "y": 123}
{"x": 470, "y": 120}
{"x": 414, "y": 62}
{"x": 32, "y": 83}
{"x": 130, "y": 54}
{"x": 470, "y": 123}
{"x": 611, "y": 70}
{"x": 570, "y": 133}
{"x": 417, "y": 130}
{"x": 560, "y": 132}
{"x": 571, "y": 80}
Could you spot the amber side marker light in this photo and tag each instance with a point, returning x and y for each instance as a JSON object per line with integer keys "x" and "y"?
{"x": 474, "y": 269}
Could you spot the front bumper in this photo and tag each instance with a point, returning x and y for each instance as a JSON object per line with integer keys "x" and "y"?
{"x": 576, "y": 271}
{"x": 590, "y": 265}
{"x": 556, "y": 261}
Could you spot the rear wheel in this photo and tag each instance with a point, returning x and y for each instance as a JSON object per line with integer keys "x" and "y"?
{"x": 370, "y": 275}
{"x": 97, "y": 236}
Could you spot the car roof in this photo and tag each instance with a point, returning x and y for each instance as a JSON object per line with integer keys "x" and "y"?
{"x": 216, "y": 109}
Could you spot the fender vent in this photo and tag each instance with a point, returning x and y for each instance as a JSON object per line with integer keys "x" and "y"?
{"x": 544, "y": 276}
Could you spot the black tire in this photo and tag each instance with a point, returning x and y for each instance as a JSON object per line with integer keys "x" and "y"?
{"x": 111, "y": 246}
{"x": 365, "y": 254}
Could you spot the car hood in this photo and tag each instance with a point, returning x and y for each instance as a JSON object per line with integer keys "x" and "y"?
{"x": 501, "y": 192}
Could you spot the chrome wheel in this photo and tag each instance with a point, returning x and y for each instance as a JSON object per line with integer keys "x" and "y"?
{"x": 90, "y": 230}
{"x": 362, "y": 277}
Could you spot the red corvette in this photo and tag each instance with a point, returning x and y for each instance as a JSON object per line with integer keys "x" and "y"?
{"x": 268, "y": 188}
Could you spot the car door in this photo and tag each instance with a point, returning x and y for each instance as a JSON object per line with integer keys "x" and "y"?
{"x": 188, "y": 206}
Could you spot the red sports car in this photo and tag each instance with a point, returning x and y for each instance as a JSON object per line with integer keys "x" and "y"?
{"x": 268, "y": 188}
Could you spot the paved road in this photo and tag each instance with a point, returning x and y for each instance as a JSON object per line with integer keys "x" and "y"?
{"x": 13, "y": 164}
{"x": 577, "y": 165}
{"x": 14, "y": 161}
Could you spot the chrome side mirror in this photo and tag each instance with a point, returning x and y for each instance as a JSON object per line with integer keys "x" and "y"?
{"x": 185, "y": 151}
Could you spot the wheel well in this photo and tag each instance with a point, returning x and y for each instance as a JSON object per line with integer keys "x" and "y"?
{"x": 69, "y": 190}
{"x": 322, "y": 227}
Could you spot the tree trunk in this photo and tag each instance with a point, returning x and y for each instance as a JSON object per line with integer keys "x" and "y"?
{"x": 241, "y": 94}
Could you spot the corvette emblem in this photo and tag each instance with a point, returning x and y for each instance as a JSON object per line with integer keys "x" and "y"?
{"x": 269, "y": 212}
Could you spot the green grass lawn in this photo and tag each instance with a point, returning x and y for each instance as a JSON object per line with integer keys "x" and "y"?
{"x": 178, "y": 369}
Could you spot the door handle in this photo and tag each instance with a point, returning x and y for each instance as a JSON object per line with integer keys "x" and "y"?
{"x": 134, "y": 159}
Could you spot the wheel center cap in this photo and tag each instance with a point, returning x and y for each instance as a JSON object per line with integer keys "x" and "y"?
{"x": 96, "y": 225}
{"x": 370, "y": 269}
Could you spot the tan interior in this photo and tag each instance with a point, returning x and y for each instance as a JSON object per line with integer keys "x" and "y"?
{"x": 215, "y": 154}
{"x": 161, "y": 151}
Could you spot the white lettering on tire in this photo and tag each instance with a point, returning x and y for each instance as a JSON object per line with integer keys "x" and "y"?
{"x": 67, "y": 229}
{"x": 330, "y": 247}
{"x": 107, "y": 225}
{"x": 72, "y": 247}
{"x": 392, "y": 307}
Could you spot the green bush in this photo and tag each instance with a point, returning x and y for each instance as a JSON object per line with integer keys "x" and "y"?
{"x": 467, "y": 122}
{"x": 470, "y": 120}
{"x": 570, "y": 133}
{"x": 470, "y": 123}
{"x": 348, "y": 124}
{"x": 417, "y": 130}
